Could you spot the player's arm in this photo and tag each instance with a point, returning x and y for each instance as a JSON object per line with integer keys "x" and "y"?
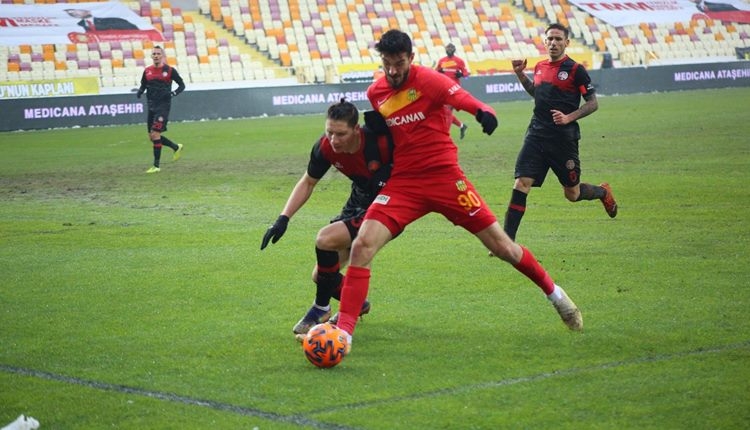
{"x": 518, "y": 67}
{"x": 483, "y": 113}
{"x": 587, "y": 91}
{"x": 178, "y": 80}
{"x": 589, "y": 106}
{"x": 142, "y": 88}
{"x": 462, "y": 70}
{"x": 299, "y": 196}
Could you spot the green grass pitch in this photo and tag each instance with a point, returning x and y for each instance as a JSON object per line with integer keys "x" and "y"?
{"x": 138, "y": 301}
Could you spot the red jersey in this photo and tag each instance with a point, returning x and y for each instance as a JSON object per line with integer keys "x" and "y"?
{"x": 418, "y": 120}
{"x": 373, "y": 152}
{"x": 450, "y": 66}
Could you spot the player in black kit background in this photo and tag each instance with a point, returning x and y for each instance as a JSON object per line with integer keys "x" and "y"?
{"x": 156, "y": 82}
{"x": 551, "y": 140}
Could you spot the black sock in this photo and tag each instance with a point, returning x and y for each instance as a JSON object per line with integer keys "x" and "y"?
{"x": 328, "y": 286}
{"x": 329, "y": 277}
{"x": 513, "y": 215}
{"x": 169, "y": 143}
{"x": 591, "y": 192}
{"x": 157, "y": 151}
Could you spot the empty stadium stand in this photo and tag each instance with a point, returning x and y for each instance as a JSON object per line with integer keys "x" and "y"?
{"x": 312, "y": 41}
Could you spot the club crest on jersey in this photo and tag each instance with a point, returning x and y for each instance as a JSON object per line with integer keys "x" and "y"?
{"x": 562, "y": 75}
{"x": 381, "y": 199}
{"x": 373, "y": 166}
{"x": 461, "y": 185}
{"x": 570, "y": 164}
{"x": 164, "y": 74}
{"x": 412, "y": 95}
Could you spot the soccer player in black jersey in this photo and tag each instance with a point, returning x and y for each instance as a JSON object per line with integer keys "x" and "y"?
{"x": 362, "y": 154}
{"x": 156, "y": 82}
{"x": 551, "y": 140}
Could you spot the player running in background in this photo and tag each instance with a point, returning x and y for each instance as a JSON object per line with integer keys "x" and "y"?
{"x": 156, "y": 81}
{"x": 365, "y": 158}
{"x": 551, "y": 140}
{"x": 454, "y": 68}
{"x": 426, "y": 177}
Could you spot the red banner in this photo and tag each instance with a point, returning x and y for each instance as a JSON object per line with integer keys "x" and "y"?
{"x": 28, "y": 24}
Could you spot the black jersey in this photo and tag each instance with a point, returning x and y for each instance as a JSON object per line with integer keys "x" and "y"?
{"x": 376, "y": 151}
{"x": 559, "y": 85}
{"x": 157, "y": 82}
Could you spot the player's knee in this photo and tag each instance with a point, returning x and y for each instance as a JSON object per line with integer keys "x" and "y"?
{"x": 572, "y": 194}
{"x": 362, "y": 251}
{"x": 503, "y": 251}
{"x": 324, "y": 240}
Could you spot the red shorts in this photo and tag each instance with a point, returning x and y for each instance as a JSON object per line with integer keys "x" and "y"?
{"x": 404, "y": 200}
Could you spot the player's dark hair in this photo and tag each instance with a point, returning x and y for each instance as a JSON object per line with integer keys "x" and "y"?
{"x": 344, "y": 111}
{"x": 394, "y": 42}
{"x": 558, "y": 26}
{"x": 158, "y": 47}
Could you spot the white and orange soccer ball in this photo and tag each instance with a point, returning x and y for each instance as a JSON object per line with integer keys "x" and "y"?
{"x": 325, "y": 345}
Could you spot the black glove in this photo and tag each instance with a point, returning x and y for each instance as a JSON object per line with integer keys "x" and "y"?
{"x": 379, "y": 178}
{"x": 459, "y": 74}
{"x": 275, "y": 231}
{"x": 375, "y": 122}
{"x": 174, "y": 93}
{"x": 139, "y": 94}
{"x": 488, "y": 121}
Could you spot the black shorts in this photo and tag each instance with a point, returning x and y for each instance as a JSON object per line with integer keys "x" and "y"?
{"x": 157, "y": 120}
{"x": 352, "y": 219}
{"x": 544, "y": 149}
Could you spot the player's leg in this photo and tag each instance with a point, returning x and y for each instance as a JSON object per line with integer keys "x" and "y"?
{"x": 601, "y": 192}
{"x": 326, "y": 275}
{"x": 530, "y": 171}
{"x": 373, "y": 235}
{"x": 470, "y": 211}
{"x": 177, "y": 148}
{"x": 155, "y": 137}
{"x": 517, "y": 206}
{"x": 500, "y": 244}
{"x": 565, "y": 163}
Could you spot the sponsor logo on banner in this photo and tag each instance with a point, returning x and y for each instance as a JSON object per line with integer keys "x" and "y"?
{"x": 62, "y": 23}
{"x": 622, "y": 13}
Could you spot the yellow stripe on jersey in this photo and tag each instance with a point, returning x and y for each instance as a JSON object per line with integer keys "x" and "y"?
{"x": 399, "y": 101}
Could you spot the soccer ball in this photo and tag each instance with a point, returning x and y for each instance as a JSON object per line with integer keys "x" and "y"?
{"x": 325, "y": 345}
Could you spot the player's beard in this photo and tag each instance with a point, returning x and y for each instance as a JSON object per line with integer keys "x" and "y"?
{"x": 396, "y": 84}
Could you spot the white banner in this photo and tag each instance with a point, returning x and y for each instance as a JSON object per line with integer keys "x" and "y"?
{"x": 621, "y": 13}
{"x": 22, "y": 24}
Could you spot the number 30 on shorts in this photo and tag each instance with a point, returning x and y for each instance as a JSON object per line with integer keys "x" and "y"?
{"x": 469, "y": 200}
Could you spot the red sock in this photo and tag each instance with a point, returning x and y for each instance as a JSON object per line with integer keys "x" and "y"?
{"x": 534, "y": 271}
{"x": 353, "y": 294}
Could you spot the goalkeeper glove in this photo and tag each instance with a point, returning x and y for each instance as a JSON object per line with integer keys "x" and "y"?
{"x": 275, "y": 232}
{"x": 139, "y": 94}
{"x": 459, "y": 74}
{"x": 488, "y": 121}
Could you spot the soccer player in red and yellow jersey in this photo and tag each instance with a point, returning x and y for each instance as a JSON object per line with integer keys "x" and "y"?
{"x": 426, "y": 177}
{"x": 455, "y": 68}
